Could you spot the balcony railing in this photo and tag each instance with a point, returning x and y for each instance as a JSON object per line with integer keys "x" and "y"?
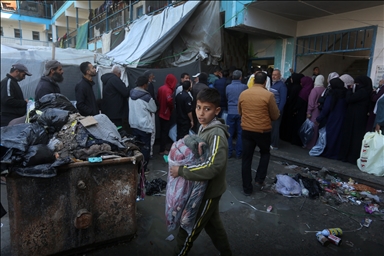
{"x": 18, "y": 41}
{"x": 114, "y": 17}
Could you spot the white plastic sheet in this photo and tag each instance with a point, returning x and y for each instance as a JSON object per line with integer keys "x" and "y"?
{"x": 150, "y": 35}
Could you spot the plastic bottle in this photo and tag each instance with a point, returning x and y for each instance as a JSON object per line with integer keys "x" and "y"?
{"x": 304, "y": 191}
{"x": 332, "y": 231}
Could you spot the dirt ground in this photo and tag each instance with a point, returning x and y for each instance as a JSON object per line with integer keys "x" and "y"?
{"x": 289, "y": 229}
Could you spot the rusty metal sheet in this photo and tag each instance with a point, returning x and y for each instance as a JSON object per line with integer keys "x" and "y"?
{"x": 86, "y": 203}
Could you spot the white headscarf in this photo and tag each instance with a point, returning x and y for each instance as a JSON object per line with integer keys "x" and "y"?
{"x": 319, "y": 81}
{"x": 347, "y": 79}
{"x": 331, "y": 76}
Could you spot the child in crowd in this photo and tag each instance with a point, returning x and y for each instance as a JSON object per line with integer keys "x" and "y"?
{"x": 214, "y": 132}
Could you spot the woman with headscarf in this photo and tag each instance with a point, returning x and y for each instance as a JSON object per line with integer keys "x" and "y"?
{"x": 293, "y": 90}
{"x": 312, "y": 109}
{"x": 357, "y": 99}
{"x": 334, "y": 112}
{"x": 379, "y": 111}
{"x": 300, "y": 108}
{"x": 375, "y": 95}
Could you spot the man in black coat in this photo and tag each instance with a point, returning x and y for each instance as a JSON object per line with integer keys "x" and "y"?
{"x": 184, "y": 111}
{"x": 85, "y": 98}
{"x": 48, "y": 83}
{"x": 115, "y": 96}
{"x": 13, "y": 104}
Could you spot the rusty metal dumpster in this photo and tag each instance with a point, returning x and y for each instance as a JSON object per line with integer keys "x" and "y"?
{"x": 85, "y": 205}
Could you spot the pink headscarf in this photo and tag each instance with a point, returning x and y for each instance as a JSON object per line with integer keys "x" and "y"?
{"x": 307, "y": 84}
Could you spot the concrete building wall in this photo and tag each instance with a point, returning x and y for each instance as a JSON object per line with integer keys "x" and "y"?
{"x": 326, "y": 63}
{"x": 356, "y": 19}
{"x": 27, "y": 28}
{"x": 269, "y": 22}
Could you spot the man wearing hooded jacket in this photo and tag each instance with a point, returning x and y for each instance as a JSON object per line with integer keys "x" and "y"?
{"x": 166, "y": 105}
{"x": 141, "y": 108}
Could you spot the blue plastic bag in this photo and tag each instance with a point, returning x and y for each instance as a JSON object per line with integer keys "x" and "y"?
{"x": 306, "y": 132}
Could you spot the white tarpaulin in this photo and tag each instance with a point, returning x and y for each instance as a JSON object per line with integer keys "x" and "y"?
{"x": 200, "y": 38}
{"x": 150, "y": 35}
{"x": 34, "y": 58}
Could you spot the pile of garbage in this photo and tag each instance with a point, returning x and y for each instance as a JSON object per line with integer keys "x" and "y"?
{"x": 329, "y": 188}
{"x": 56, "y": 134}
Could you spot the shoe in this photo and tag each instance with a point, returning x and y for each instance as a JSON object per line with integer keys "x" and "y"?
{"x": 273, "y": 148}
{"x": 247, "y": 193}
{"x": 165, "y": 152}
{"x": 239, "y": 157}
{"x": 259, "y": 186}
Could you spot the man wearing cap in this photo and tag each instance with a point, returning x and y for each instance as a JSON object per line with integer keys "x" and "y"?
{"x": 85, "y": 98}
{"x": 48, "y": 83}
{"x": 201, "y": 83}
{"x": 13, "y": 104}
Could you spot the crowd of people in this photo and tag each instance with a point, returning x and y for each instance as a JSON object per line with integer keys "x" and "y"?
{"x": 344, "y": 105}
{"x": 258, "y": 110}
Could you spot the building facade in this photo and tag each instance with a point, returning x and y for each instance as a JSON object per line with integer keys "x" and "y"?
{"x": 341, "y": 36}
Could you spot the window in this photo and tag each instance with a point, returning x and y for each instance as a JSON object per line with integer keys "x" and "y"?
{"x": 17, "y": 33}
{"x": 139, "y": 11}
{"x": 1, "y": 31}
{"x": 35, "y": 35}
{"x": 50, "y": 37}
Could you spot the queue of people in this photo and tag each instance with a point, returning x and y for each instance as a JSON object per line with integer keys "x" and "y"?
{"x": 258, "y": 111}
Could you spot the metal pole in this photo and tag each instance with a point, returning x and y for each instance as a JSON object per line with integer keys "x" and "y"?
{"x": 130, "y": 11}
{"x": 53, "y": 51}
{"x": 106, "y": 19}
{"x": 21, "y": 33}
{"x": 67, "y": 32}
{"x": 77, "y": 17}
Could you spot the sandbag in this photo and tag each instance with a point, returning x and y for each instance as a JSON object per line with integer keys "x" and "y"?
{"x": 372, "y": 154}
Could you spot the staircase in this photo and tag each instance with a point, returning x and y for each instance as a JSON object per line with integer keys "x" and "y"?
{"x": 357, "y": 68}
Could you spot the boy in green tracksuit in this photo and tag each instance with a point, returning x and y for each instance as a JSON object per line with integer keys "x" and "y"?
{"x": 214, "y": 132}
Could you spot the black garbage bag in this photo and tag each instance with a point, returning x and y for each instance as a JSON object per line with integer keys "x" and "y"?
{"x": 53, "y": 119}
{"x": 313, "y": 186}
{"x": 155, "y": 186}
{"x": 38, "y": 154}
{"x": 55, "y": 100}
{"x": 41, "y": 170}
{"x": 21, "y": 136}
